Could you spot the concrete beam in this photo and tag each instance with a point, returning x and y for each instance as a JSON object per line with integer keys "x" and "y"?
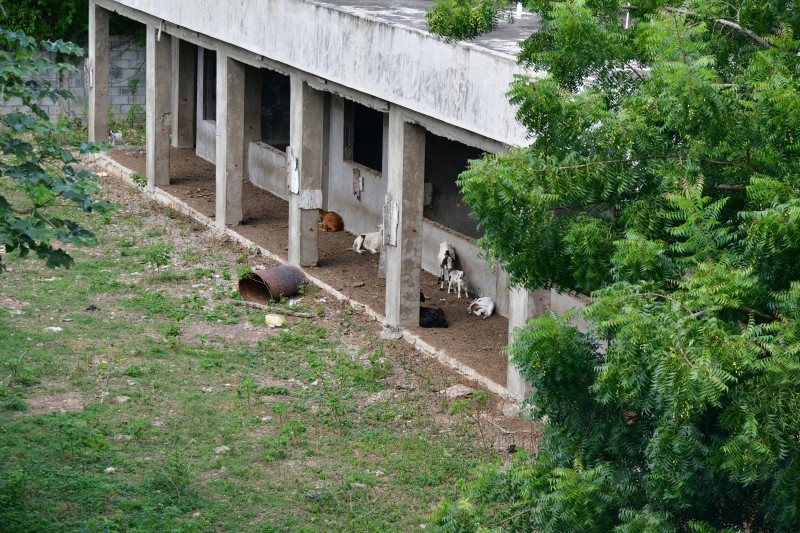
{"x": 98, "y": 73}
{"x": 159, "y": 56}
{"x": 406, "y": 174}
{"x": 230, "y": 140}
{"x": 184, "y": 93}
{"x": 522, "y": 306}
{"x": 307, "y": 141}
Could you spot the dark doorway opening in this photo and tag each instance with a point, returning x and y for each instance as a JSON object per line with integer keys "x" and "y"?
{"x": 363, "y": 135}
{"x": 209, "y": 84}
{"x": 444, "y": 161}
{"x": 275, "y": 109}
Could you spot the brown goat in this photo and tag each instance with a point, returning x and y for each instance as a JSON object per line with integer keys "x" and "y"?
{"x": 330, "y": 221}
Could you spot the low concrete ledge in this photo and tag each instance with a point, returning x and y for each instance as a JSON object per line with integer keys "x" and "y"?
{"x": 119, "y": 171}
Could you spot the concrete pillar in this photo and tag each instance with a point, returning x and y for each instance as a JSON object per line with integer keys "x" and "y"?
{"x": 98, "y": 73}
{"x": 184, "y": 93}
{"x": 522, "y": 306}
{"x": 230, "y": 140}
{"x": 406, "y": 174}
{"x": 252, "y": 112}
{"x": 159, "y": 56}
{"x": 307, "y": 142}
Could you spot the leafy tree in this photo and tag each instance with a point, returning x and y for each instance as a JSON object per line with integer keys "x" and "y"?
{"x": 60, "y": 19}
{"x": 34, "y": 158}
{"x": 663, "y": 178}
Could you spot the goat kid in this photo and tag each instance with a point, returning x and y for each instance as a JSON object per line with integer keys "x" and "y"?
{"x": 483, "y": 306}
{"x": 368, "y": 241}
{"x": 446, "y": 258}
{"x": 457, "y": 279}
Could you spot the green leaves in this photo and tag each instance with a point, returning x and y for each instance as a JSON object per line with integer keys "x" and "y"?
{"x": 35, "y": 159}
{"x": 663, "y": 178}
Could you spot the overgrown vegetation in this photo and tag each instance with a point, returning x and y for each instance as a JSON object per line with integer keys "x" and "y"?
{"x": 664, "y": 179}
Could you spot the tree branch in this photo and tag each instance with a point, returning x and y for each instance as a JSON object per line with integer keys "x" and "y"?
{"x": 750, "y": 33}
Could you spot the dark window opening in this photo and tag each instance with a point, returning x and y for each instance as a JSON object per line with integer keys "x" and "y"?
{"x": 363, "y": 135}
{"x": 209, "y": 85}
{"x": 444, "y": 161}
{"x": 275, "y": 109}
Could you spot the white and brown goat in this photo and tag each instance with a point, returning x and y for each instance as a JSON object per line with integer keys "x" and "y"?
{"x": 369, "y": 242}
{"x": 457, "y": 278}
{"x": 483, "y": 306}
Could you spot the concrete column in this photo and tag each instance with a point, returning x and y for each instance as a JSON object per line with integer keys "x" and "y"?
{"x": 184, "y": 93}
{"x": 252, "y": 112}
{"x": 522, "y": 306}
{"x": 98, "y": 73}
{"x": 157, "y": 126}
{"x": 307, "y": 141}
{"x": 406, "y": 174}
{"x": 230, "y": 140}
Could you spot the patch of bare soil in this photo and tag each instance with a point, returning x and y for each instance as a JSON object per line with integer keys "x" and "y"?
{"x": 61, "y": 403}
{"x": 7, "y": 301}
{"x": 474, "y": 342}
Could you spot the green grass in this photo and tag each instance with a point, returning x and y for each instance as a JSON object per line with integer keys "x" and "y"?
{"x": 318, "y": 437}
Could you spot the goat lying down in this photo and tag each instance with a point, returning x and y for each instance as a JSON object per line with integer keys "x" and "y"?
{"x": 483, "y": 306}
{"x": 431, "y": 318}
{"x": 368, "y": 241}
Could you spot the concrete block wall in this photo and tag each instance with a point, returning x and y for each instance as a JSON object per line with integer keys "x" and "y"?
{"x": 127, "y": 59}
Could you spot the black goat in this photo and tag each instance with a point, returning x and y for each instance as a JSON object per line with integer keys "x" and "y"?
{"x": 432, "y": 318}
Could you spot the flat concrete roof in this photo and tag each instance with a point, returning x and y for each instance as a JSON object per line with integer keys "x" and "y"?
{"x": 411, "y": 13}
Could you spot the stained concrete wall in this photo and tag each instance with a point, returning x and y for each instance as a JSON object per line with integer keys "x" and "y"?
{"x": 267, "y": 166}
{"x": 406, "y": 66}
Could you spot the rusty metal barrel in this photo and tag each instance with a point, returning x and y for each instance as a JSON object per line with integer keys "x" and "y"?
{"x": 261, "y": 286}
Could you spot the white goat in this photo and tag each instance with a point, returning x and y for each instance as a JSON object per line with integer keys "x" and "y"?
{"x": 446, "y": 257}
{"x": 483, "y": 306}
{"x": 116, "y": 137}
{"x": 457, "y": 279}
{"x": 369, "y": 241}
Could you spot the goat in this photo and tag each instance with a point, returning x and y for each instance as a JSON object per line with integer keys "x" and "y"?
{"x": 457, "y": 279}
{"x": 368, "y": 241}
{"x": 483, "y": 306}
{"x": 116, "y": 137}
{"x": 330, "y": 221}
{"x": 431, "y": 318}
{"x": 446, "y": 257}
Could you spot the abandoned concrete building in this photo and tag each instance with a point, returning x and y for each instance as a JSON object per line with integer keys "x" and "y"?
{"x": 373, "y": 116}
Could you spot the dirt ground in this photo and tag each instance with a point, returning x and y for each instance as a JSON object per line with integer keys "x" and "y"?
{"x": 474, "y": 342}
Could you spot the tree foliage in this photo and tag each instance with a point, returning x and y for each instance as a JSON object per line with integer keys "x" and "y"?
{"x": 34, "y": 157}
{"x": 59, "y": 19}
{"x": 663, "y": 178}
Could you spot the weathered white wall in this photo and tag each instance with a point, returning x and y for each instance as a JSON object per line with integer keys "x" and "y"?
{"x": 458, "y": 84}
{"x": 267, "y": 167}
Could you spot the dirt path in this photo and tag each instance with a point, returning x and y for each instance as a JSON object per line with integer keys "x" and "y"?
{"x": 474, "y": 342}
